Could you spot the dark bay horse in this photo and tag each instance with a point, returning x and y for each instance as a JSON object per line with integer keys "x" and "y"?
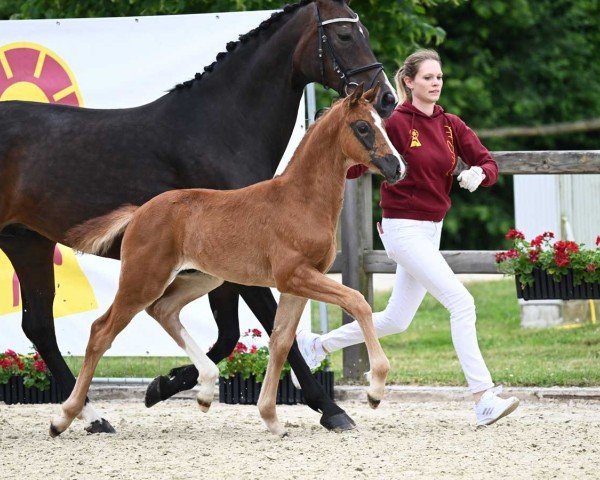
{"x": 226, "y": 128}
{"x": 276, "y": 233}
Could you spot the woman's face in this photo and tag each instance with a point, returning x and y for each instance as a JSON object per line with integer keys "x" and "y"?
{"x": 427, "y": 85}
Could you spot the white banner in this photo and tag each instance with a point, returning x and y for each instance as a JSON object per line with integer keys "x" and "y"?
{"x": 111, "y": 63}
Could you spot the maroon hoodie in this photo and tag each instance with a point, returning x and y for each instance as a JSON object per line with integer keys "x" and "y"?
{"x": 430, "y": 145}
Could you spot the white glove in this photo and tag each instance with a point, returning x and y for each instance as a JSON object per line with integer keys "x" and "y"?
{"x": 471, "y": 178}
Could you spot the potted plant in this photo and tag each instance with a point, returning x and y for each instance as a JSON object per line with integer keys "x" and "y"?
{"x": 548, "y": 269}
{"x": 242, "y": 373}
{"x": 26, "y": 379}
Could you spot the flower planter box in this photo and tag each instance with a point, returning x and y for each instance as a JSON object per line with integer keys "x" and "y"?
{"x": 236, "y": 390}
{"x": 545, "y": 288}
{"x": 15, "y": 392}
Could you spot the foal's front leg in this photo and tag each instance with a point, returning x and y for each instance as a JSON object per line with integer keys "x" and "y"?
{"x": 310, "y": 283}
{"x": 286, "y": 322}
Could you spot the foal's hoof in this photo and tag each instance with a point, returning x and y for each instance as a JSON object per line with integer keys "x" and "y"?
{"x": 54, "y": 432}
{"x": 340, "y": 422}
{"x": 373, "y": 403}
{"x": 204, "y": 406}
{"x": 153, "y": 391}
{"x": 100, "y": 426}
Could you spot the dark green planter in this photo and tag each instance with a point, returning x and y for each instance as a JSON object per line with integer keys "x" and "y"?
{"x": 236, "y": 390}
{"x": 15, "y": 392}
{"x": 545, "y": 288}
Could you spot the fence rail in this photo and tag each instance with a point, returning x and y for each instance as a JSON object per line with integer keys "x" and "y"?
{"x": 357, "y": 261}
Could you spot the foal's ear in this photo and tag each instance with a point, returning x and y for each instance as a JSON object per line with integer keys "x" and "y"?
{"x": 356, "y": 94}
{"x": 371, "y": 95}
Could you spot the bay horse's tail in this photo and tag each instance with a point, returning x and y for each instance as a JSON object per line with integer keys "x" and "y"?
{"x": 98, "y": 234}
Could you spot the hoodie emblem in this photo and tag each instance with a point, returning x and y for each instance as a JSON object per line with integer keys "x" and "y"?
{"x": 414, "y": 135}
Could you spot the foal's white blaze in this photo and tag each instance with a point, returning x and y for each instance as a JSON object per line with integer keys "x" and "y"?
{"x": 379, "y": 125}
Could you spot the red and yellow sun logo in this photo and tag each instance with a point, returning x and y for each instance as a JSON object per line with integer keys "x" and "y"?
{"x": 32, "y": 72}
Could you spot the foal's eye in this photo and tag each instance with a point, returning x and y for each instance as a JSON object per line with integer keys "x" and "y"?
{"x": 362, "y": 128}
{"x": 344, "y": 37}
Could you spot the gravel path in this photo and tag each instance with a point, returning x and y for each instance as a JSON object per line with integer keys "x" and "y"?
{"x": 407, "y": 440}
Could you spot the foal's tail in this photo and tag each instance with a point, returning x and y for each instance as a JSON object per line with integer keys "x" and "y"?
{"x": 98, "y": 234}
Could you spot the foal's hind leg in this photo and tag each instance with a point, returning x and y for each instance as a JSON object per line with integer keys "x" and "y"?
{"x": 224, "y": 305}
{"x": 166, "y": 311}
{"x": 138, "y": 288}
{"x": 32, "y": 258}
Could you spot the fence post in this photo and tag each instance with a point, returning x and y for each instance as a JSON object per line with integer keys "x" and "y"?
{"x": 356, "y": 239}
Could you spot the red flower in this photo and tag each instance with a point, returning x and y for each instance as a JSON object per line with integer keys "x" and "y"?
{"x": 513, "y": 233}
{"x": 10, "y": 353}
{"x": 20, "y": 364}
{"x": 548, "y": 235}
{"x": 534, "y": 255}
{"x": 40, "y": 365}
{"x": 231, "y": 357}
{"x": 253, "y": 349}
{"x": 500, "y": 257}
{"x": 512, "y": 253}
{"x": 36, "y": 356}
{"x": 591, "y": 267}
{"x": 256, "y": 332}
{"x": 561, "y": 258}
{"x": 537, "y": 241}
{"x": 240, "y": 347}
{"x": 563, "y": 246}
{"x": 5, "y": 362}
{"x": 598, "y": 240}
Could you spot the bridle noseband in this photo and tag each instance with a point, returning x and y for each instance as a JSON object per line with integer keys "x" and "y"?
{"x": 337, "y": 65}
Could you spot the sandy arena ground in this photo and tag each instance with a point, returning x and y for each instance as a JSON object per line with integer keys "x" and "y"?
{"x": 175, "y": 440}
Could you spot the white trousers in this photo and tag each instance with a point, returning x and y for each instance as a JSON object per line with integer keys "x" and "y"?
{"x": 414, "y": 245}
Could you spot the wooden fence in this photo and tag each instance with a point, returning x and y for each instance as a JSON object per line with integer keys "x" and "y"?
{"x": 357, "y": 261}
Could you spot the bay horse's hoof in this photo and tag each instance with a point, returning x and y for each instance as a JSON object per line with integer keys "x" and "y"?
{"x": 100, "y": 426}
{"x": 340, "y": 422}
{"x": 373, "y": 403}
{"x": 153, "y": 391}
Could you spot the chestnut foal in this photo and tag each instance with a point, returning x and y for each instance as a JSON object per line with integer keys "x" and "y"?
{"x": 277, "y": 233}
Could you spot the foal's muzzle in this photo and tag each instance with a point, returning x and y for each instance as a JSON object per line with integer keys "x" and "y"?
{"x": 391, "y": 167}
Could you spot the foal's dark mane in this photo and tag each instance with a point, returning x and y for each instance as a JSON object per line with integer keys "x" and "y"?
{"x": 265, "y": 25}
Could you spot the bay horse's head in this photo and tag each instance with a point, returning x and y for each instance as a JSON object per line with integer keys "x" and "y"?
{"x": 363, "y": 138}
{"x": 335, "y": 51}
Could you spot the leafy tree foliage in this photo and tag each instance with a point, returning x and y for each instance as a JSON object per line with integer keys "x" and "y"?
{"x": 506, "y": 62}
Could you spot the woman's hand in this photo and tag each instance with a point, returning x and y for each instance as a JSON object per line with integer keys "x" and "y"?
{"x": 471, "y": 178}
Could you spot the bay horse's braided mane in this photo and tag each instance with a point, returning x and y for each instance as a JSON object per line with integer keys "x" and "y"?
{"x": 265, "y": 24}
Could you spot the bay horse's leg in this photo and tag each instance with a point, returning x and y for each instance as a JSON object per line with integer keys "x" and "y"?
{"x": 286, "y": 322}
{"x": 32, "y": 258}
{"x": 310, "y": 283}
{"x": 144, "y": 278}
{"x": 224, "y": 305}
{"x": 166, "y": 311}
{"x": 262, "y": 303}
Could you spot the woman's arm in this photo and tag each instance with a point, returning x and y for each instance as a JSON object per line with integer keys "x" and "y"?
{"x": 356, "y": 171}
{"x": 472, "y": 151}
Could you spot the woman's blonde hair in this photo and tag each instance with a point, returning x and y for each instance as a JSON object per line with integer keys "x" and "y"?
{"x": 410, "y": 69}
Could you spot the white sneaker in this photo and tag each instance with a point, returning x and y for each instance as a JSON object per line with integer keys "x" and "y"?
{"x": 492, "y": 408}
{"x": 306, "y": 343}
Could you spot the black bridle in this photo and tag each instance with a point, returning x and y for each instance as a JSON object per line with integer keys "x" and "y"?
{"x": 338, "y": 68}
